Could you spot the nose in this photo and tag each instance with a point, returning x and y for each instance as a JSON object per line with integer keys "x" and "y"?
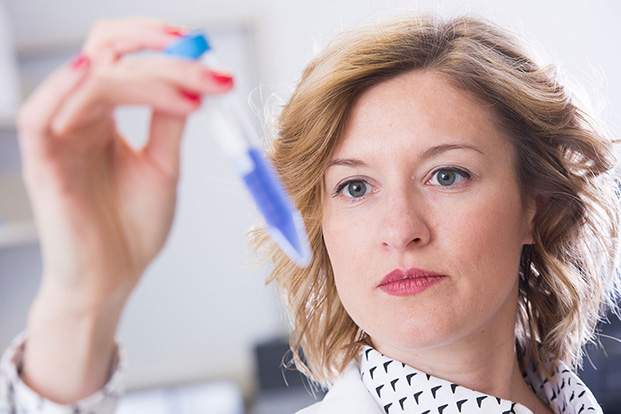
{"x": 404, "y": 225}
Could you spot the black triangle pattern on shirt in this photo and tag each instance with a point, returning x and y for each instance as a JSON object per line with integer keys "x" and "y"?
{"x": 401, "y": 401}
{"x": 386, "y": 365}
{"x": 379, "y": 389}
{"x": 416, "y": 392}
{"x": 428, "y": 394}
{"x": 393, "y": 382}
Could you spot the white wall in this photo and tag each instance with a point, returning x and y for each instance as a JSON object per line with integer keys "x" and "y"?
{"x": 583, "y": 35}
{"x": 199, "y": 309}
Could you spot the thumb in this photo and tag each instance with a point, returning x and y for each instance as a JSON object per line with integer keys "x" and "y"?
{"x": 164, "y": 143}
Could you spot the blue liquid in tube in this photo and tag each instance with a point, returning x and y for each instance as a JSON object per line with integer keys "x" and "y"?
{"x": 237, "y": 139}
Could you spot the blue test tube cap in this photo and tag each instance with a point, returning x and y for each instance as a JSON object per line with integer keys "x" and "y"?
{"x": 191, "y": 46}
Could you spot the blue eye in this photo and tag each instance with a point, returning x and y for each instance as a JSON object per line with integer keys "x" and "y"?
{"x": 353, "y": 189}
{"x": 448, "y": 176}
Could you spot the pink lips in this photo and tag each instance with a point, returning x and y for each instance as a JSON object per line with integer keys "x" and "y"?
{"x": 408, "y": 282}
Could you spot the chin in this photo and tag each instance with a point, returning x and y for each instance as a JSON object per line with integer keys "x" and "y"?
{"x": 419, "y": 334}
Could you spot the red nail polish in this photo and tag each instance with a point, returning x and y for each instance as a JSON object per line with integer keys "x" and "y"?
{"x": 174, "y": 31}
{"x": 190, "y": 96}
{"x": 221, "y": 78}
{"x": 80, "y": 61}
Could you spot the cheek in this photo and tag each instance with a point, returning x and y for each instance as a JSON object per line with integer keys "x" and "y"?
{"x": 487, "y": 238}
{"x": 347, "y": 242}
{"x": 345, "y": 232}
{"x": 341, "y": 246}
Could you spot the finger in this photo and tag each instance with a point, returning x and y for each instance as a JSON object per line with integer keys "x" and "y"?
{"x": 174, "y": 91}
{"x": 36, "y": 114}
{"x": 163, "y": 146}
{"x": 187, "y": 75}
{"x": 110, "y": 39}
{"x": 95, "y": 101}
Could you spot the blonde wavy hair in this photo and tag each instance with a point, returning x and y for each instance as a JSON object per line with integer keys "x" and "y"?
{"x": 567, "y": 277}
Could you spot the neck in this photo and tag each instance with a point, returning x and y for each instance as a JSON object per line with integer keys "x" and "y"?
{"x": 484, "y": 361}
{"x": 493, "y": 369}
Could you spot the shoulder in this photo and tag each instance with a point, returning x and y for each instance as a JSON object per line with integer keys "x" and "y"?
{"x": 563, "y": 390}
{"x": 311, "y": 409}
{"x": 347, "y": 395}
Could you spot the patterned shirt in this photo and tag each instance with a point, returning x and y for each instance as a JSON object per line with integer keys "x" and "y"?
{"x": 17, "y": 398}
{"x": 394, "y": 386}
{"x": 399, "y": 388}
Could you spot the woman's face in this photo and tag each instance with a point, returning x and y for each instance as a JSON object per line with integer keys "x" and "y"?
{"x": 423, "y": 219}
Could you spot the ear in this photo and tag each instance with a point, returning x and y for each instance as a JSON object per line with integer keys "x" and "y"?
{"x": 533, "y": 207}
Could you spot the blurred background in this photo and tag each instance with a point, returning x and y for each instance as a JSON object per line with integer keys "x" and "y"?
{"x": 202, "y": 332}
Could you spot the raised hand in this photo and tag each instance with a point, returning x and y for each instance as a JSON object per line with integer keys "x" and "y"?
{"x": 103, "y": 209}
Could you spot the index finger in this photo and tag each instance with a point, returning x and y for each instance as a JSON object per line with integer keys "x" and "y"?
{"x": 108, "y": 40}
{"x": 36, "y": 114}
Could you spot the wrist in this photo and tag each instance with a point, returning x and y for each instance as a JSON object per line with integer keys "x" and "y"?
{"x": 52, "y": 311}
{"x": 84, "y": 295}
{"x": 70, "y": 346}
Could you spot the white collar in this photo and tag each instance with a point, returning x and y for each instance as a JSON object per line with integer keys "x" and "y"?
{"x": 399, "y": 388}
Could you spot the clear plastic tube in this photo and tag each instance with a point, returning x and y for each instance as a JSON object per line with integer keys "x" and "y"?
{"x": 238, "y": 140}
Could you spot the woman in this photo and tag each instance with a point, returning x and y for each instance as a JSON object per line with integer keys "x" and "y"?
{"x": 461, "y": 210}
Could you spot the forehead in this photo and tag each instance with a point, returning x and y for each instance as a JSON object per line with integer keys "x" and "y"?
{"x": 414, "y": 110}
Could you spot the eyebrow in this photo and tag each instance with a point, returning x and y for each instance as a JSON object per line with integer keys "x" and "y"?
{"x": 346, "y": 162}
{"x": 439, "y": 149}
{"x": 429, "y": 153}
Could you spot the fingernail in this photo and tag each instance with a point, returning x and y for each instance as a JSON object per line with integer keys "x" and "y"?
{"x": 221, "y": 78}
{"x": 192, "y": 97}
{"x": 175, "y": 31}
{"x": 80, "y": 61}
